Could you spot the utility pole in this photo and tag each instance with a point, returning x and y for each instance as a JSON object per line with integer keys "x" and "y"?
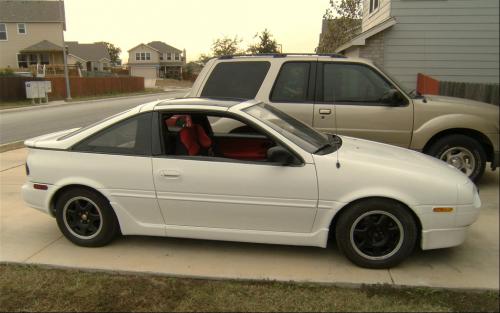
{"x": 65, "y": 51}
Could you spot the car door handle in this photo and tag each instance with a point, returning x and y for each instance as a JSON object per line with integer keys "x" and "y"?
{"x": 325, "y": 111}
{"x": 170, "y": 174}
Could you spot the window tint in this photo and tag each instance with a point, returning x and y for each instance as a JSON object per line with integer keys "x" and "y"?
{"x": 292, "y": 83}
{"x": 353, "y": 83}
{"x": 236, "y": 80}
{"x": 132, "y": 136}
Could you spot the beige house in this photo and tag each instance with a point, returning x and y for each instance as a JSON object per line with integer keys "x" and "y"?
{"x": 156, "y": 60}
{"x": 89, "y": 57}
{"x": 31, "y": 33}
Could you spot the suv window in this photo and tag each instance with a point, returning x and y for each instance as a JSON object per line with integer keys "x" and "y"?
{"x": 131, "y": 136}
{"x": 353, "y": 84}
{"x": 292, "y": 83}
{"x": 236, "y": 80}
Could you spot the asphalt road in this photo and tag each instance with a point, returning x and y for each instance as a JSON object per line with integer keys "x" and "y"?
{"x": 21, "y": 125}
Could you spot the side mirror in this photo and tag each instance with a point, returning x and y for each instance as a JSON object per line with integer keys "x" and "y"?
{"x": 393, "y": 97}
{"x": 280, "y": 156}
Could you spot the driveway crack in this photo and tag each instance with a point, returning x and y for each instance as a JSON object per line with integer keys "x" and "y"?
{"x": 390, "y": 275}
{"x": 43, "y": 248}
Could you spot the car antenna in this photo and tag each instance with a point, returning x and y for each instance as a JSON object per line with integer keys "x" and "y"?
{"x": 336, "y": 134}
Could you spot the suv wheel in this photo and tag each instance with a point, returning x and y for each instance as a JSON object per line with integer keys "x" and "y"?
{"x": 86, "y": 218}
{"x": 376, "y": 233}
{"x": 463, "y": 152}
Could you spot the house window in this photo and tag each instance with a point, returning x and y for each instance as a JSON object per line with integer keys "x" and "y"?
{"x": 137, "y": 56}
{"x": 33, "y": 59}
{"x": 169, "y": 56}
{"x": 148, "y": 56}
{"x": 44, "y": 58}
{"x": 22, "y": 61}
{"x": 374, "y": 4}
{"x": 21, "y": 28}
{"x": 177, "y": 57}
{"x": 3, "y": 32}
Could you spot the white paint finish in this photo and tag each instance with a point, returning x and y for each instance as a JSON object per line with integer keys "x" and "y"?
{"x": 206, "y": 194}
{"x": 245, "y": 201}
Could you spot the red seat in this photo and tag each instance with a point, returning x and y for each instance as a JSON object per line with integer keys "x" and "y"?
{"x": 194, "y": 138}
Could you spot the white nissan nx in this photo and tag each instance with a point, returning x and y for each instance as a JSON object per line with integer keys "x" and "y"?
{"x": 165, "y": 169}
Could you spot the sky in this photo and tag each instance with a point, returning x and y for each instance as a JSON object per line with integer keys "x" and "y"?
{"x": 194, "y": 24}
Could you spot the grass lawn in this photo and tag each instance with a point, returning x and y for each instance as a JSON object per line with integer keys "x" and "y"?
{"x": 24, "y": 103}
{"x": 33, "y": 288}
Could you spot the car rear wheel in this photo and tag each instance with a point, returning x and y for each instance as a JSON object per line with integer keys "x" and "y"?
{"x": 86, "y": 218}
{"x": 376, "y": 233}
{"x": 463, "y": 152}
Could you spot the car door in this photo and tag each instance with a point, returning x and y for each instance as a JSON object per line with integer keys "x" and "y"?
{"x": 225, "y": 193}
{"x": 293, "y": 90}
{"x": 348, "y": 102}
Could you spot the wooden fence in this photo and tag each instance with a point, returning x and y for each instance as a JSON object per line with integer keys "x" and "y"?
{"x": 488, "y": 93}
{"x": 12, "y": 88}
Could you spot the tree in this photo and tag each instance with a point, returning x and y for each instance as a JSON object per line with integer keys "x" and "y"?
{"x": 343, "y": 19}
{"x": 266, "y": 44}
{"x": 226, "y": 46}
{"x": 114, "y": 52}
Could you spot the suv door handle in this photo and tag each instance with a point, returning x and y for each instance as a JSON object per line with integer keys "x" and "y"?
{"x": 170, "y": 174}
{"x": 325, "y": 111}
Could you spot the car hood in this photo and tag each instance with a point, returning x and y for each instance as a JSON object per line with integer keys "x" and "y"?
{"x": 400, "y": 159}
{"x": 370, "y": 168}
{"x": 459, "y": 105}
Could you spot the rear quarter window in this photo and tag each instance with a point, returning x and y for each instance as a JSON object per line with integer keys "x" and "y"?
{"x": 236, "y": 80}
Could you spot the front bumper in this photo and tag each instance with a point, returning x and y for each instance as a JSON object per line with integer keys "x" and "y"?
{"x": 495, "y": 160}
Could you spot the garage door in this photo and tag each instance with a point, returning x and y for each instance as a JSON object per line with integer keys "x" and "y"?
{"x": 146, "y": 72}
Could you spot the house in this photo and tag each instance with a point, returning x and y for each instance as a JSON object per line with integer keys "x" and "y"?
{"x": 156, "y": 60}
{"x": 88, "y": 56}
{"x": 31, "y": 33}
{"x": 452, "y": 40}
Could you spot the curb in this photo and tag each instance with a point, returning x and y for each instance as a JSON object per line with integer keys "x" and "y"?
{"x": 50, "y": 105}
{"x": 11, "y": 146}
{"x": 233, "y": 279}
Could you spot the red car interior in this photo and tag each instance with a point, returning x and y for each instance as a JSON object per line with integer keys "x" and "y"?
{"x": 193, "y": 137}
{"x": 243, "y": 148}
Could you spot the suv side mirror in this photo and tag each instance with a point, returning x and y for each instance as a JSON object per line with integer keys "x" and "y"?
{"x": 393, "y": 97}
{"x": 280, "y": 156}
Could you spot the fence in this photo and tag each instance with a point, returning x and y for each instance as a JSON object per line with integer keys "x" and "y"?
{"x": 488, "y": 93}
{"x": 12, "y": 88}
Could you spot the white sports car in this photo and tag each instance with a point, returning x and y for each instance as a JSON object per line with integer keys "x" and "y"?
{"x": 163, "y": 169}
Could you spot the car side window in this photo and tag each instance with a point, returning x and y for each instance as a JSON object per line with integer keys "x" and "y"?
{"x": 131, "y": 137}
{"x": 292, "y": 83}
{"x": 347, "y": 83}
{"x": 236, "y": 79}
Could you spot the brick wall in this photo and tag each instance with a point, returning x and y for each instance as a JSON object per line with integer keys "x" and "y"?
{"x": 374, "y": 49}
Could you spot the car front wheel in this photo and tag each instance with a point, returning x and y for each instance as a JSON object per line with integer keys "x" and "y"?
{"x": 86, "y": 218}
{"x": 376, "y": 233}
{"x": 463, "y": 152}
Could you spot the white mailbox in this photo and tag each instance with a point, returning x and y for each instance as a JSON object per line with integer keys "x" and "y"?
{"x": 38, "y": 89}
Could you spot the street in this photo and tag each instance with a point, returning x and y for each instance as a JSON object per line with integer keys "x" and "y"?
{"x": 24, "y": 124}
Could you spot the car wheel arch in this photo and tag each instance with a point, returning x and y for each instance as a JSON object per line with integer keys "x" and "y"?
{"x": 472, "y": 133}
{"x": 333, "y": 222}
{"x": 62, "y": 189}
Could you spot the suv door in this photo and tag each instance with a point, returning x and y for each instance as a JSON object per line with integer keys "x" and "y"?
{"x": 353, "y": 92}
{"x": 293, "y": 90}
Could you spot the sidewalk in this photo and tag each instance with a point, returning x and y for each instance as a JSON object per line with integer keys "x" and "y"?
{"x": 28, "y": 236}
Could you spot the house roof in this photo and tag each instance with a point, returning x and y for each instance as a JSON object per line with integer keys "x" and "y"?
{"x": 163, "y": 47}
{"x": 142, "y": 44}
{"x": 360, "y": 40}
{"x": 32, "y": 11}
{"x": 44, "y": 46}
{"x": 88, "y": 51}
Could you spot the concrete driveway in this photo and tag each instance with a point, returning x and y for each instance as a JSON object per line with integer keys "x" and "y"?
{"x": 28, "y": 236}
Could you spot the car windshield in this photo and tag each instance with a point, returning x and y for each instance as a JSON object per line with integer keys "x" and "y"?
{"x": 408, "y": 91}
{"x": 299, "y": 133}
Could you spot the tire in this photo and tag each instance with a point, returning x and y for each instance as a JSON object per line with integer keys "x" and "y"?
{"x": 358, "y": 233}
{"x": 472, "y": 151}
{"x": 86, "y": 218}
